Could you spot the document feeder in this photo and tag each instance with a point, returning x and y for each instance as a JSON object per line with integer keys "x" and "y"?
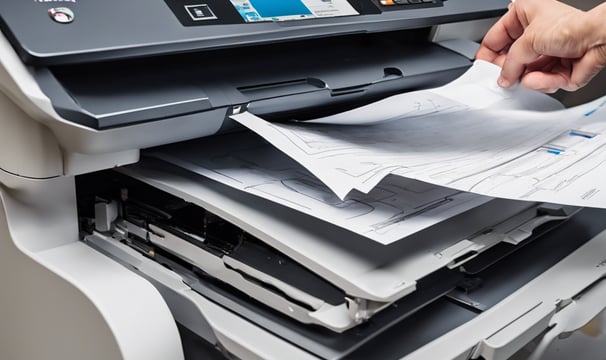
{"x": 91, "y": 219}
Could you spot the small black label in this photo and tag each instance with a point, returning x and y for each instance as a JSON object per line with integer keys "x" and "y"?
{"x": 200, "y": 12}
{"x": 204, "y": 12}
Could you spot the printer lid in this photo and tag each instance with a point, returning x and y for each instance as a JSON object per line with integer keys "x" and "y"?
{"x": 67, "y": 31}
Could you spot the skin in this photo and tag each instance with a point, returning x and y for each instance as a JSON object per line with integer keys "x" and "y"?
{"x": 547, "y": 45}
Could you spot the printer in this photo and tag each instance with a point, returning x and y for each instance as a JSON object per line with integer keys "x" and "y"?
{"x": 109, "y": 253}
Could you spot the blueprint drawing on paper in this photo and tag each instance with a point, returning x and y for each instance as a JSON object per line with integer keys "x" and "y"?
{"x": 393, "y": 210}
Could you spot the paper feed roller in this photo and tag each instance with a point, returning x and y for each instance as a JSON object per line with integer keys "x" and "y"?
{"x": 282, "y": 80}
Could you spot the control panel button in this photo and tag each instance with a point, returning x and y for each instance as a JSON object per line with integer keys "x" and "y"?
{"x": 200, "y": 12}
{"x": 61, "y": 15}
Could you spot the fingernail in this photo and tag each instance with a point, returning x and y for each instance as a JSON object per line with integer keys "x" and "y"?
{"x": 503, "y": 82}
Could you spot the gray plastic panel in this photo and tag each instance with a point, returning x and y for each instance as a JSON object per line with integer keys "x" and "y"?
{"x": 507, "y": 277}
{"x": 113, "y": 29}
{"x": 272, "y": 79}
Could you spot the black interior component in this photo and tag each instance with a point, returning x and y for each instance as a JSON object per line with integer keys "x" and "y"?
{"x": 195, "y": 348}
{"x": 260, "y": 257}
{"x": 431, "y": 322}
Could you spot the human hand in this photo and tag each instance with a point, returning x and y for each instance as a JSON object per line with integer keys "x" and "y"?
{"x": 547, "y": 45}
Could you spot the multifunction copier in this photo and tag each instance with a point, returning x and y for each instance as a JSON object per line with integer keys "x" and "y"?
{"x": 107, "y": 252}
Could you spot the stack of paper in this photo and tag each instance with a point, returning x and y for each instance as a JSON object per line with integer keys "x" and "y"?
{"x": 440, "y": 148}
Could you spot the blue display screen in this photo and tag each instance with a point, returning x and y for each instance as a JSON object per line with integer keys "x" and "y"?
{"x": 280, "y": 8}
{"x": 286, "y": 10}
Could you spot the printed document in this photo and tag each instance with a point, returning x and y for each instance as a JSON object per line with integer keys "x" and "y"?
{"x": 393, "y": 210}
{"x": 400, "y": 165}
{"x": 469, "y": 135}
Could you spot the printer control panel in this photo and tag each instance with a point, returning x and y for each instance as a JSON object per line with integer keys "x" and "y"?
{"x": 210, "y": 12}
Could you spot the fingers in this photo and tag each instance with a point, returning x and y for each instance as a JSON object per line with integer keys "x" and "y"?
{"x": 550, "y": 74}
{"x": 541, "y": 43}
{"x": 586, "y": 69}
{"x": 486, "y": 54}
{"x": 520, "y": 54}
{"x": 543, "y": 63}
{"x": 544, "y": 81}
{"x": 496, "y": 40}
{"x": 500, "y": 37}
{"x": 505, "y": 42}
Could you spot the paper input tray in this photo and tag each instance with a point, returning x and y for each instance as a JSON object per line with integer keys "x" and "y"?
{"x": 359, "y": 266}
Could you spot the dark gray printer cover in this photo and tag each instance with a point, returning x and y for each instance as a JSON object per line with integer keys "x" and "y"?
{"x": 113, "y": 29}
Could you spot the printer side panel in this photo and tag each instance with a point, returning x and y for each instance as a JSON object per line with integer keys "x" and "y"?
{"x": 60, "y": 299}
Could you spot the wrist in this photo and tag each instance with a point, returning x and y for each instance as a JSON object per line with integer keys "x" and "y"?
{"x": 596, "y": 25}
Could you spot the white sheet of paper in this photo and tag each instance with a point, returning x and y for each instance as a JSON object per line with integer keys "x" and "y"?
{"x": 569, "y": 169}
{"x": 393, "y": 210}
{"x": 498, "y": 151}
